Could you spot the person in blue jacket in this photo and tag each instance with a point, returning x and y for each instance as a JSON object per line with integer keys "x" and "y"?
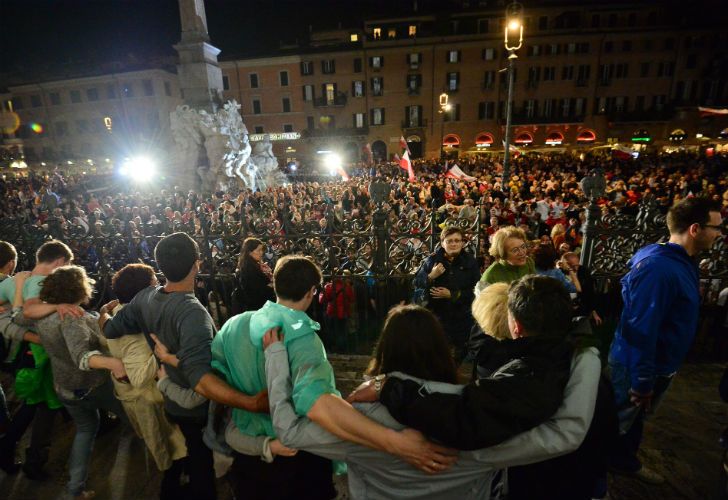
{"x": 658, "y": 323}
{"x": 445, "y": 284}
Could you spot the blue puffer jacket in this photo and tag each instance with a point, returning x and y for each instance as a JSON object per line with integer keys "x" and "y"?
{"x": 660, "y": 315}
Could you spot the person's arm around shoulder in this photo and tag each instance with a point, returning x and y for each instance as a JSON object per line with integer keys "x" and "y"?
{"x": 77, "y": 335}
{"x": 341, "y": 419}
{"x": 564, "y": 431}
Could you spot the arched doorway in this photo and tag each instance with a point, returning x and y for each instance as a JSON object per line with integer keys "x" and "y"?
{"x": 414, "y": 143}
{"x": 484, "y": 140}
{"x": 451, "y": 146}
{"x": 677, "y": 136}
{"x": 586, "y": 137}
{"x": 379, "y": 151}
{"x": 641, "y": 136}
{"x": 524, "y": 139}
{"x": 554, "y": 139}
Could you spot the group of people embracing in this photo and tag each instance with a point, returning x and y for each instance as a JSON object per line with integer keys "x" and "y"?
{"x": 535, "y": 419}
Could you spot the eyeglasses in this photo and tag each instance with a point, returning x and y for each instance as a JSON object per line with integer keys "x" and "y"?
{"x": 523, "y": 249}
{"x": 713, "y": 226}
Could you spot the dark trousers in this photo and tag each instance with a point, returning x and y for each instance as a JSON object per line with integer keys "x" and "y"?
{"x": 624, "y": 453}
{"x": 198, "y": 464}
{"x": 303, "y": 475}
{"x": 42, "y": 418}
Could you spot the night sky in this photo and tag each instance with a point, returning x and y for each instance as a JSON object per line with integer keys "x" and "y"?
{"x": 36, "y": 33}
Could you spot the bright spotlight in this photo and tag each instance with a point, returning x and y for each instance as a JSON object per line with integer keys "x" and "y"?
{"x": 333, "y": 163}
{"x": 140, "y": 169}
{"x": 514, "y": 25}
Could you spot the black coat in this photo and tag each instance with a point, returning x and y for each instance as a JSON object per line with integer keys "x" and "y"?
{"x": 525, "y": 388}
{"x": 255, "y": 287}
{"x": 460, "y": 277}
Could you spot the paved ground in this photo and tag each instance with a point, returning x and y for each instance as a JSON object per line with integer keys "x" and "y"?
{"x": 681, "y": 443}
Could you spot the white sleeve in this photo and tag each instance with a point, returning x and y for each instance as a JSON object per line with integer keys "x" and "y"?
{"x": 564, "y": 431}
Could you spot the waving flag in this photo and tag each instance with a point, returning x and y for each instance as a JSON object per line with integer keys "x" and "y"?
{"x": 456, "y": 172}
{"x": 403, "y": 144}
{"x": 621, "y": 152}
{"x": 406, "y": 164}
{"x": 712, "y": 111}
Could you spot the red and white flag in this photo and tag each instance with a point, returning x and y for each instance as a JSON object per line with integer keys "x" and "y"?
{"x": 712, "y": 111}
{"x": 515, "y": 152}
{"x": 406, "y": 164}
{"x": 344, "y": 176}
{"x": 456, "y": 172}
{"x": 403, "y": 144}
{"x": 621, "y": 152}
{"x": 396, "y": 157}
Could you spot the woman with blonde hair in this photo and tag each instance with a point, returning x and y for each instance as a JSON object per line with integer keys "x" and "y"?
{"x": 558, "y": 235}
{"x": 490, "y": 310}
{"x": 510, "y": 248}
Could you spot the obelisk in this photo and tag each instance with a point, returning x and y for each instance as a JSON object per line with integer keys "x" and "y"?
{"x": 199, "y": 74}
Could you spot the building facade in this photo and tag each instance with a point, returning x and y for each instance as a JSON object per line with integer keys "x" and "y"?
{"x": 588, "y": 74}
{"x": 94, "y": 120}
{"x": 585, "y": 76}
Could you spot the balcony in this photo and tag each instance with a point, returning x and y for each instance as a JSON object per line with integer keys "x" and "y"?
{"x": 521, "y": 118}
{"x": 412, "y": 124}
{"x": 651, "y": 115}
{"x": 335, "y": 132}
{"x": 413, "y": 90}
{"x": 338, "y": 101}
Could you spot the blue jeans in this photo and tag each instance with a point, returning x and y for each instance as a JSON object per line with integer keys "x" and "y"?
{"x": 85, "y": 414}
{"x": 631, "y": 418}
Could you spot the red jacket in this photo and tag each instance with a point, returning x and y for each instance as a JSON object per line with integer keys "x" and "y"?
{"x": 338, "y": 298}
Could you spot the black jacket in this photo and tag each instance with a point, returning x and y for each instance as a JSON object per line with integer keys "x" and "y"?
{"x": 525, "y": 387}
{"x": 460, "y": 277}
{"x": 255, "y": 288}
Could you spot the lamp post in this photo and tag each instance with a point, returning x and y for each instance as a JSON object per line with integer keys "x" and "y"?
{"x": 444, "y": 108}
{"x": 513, "y": 30}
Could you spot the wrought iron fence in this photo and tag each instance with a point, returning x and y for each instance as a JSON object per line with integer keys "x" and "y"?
{"x": 376, "y": 255}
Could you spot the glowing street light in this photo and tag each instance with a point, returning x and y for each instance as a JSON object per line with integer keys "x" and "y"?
{"x": 513, "y": 32}
{"x": 138, "y": 169}
{"x": 445, "y": 107}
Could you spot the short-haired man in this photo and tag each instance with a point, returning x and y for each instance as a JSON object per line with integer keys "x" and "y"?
{"x": 39, "y": 403}
{"x": 238, "y": 353}
{"x": 174, "y": 314}
{"x": 658, "y": 323}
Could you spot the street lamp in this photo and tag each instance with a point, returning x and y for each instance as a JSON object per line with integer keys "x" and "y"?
{"x": 444, "y": 108}
{"x": 513, "y": 31}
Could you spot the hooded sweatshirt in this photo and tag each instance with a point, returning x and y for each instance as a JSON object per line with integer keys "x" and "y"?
{"x": 237, "y": 353}
{"x": 660, "y": 315}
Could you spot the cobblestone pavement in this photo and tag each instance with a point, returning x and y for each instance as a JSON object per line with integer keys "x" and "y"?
{"x": 681, "y": 443}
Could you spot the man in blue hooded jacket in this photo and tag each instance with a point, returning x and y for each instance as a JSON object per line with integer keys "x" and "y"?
{"x": 658, "y": 323}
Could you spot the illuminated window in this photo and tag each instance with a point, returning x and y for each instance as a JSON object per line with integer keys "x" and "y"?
{"x": 391, "y": 33}
{"x": 354, "y": 37}
{"x": 412, "y": 31}
{"x": 377, "y": 33}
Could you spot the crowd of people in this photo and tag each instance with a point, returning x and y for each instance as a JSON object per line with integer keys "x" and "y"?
{"x": 261, "y": 389}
